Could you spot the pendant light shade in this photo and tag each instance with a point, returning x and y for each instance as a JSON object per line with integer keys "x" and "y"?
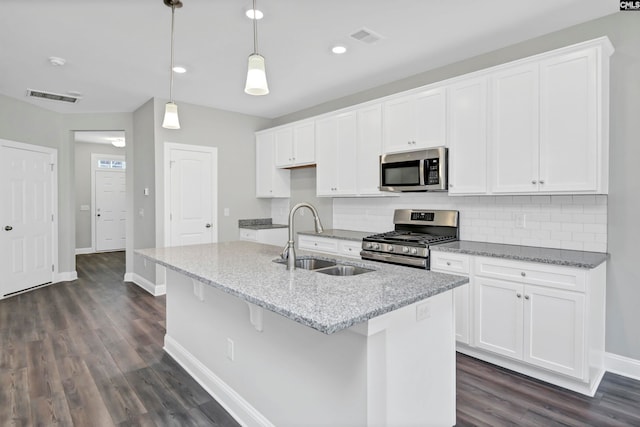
{"x": 171, "y": 109}
{"x": 171, "y": 120}
{"x": 256, "y": 76}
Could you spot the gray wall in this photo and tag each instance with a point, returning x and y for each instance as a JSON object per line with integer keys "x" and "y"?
{"x": 623, "y": 28}
{"x": 83, "y": 151}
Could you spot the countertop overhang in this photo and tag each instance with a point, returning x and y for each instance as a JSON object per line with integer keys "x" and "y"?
{"x": 326, "y": 303}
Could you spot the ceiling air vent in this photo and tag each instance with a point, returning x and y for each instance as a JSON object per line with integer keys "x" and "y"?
{"x": 367, "y": 36}
{"x": 52, "y": 96}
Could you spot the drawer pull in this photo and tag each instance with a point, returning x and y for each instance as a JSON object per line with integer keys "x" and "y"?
{"x": 523, "y": 274}
{"x": 526, "y": 297}
{"x": 448, "y": 263}
{"x": 519, "y": 295}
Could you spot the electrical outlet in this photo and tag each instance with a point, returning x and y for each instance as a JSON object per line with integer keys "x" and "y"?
{"x": 230, "y": 349}
{"x": 520, "y": 220}
{"x": 423, "y": 311}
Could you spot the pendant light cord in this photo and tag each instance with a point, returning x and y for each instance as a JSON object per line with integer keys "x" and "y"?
{"x": 173, "y": 14}
{"x": 255, "y": 29}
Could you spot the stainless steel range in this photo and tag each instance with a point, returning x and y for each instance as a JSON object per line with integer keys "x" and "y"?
{"x": 415, "y": 230}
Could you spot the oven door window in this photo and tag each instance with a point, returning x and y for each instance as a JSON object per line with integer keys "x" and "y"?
{"x": 401, "y": 173}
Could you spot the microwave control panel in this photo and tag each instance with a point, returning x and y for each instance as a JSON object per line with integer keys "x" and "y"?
{"x": 432, "y": 172}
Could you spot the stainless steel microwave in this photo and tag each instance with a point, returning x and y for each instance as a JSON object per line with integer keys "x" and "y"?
{"x": 424, "y": 170}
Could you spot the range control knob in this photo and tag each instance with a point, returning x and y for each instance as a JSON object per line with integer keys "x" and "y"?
{"x": 405, "y": 250}
{"x": 414, "y": 251}
{"x": 368, "y": 245}
{"x": 376, "y": 246}
{"x": 390, "y": 248}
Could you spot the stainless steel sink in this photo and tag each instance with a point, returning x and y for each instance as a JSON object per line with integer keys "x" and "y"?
{"x": 344, "y": 270}
{"x": 309, "y": 263}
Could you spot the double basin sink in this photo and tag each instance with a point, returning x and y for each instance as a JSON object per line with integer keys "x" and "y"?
{"x": 324, "y": 266}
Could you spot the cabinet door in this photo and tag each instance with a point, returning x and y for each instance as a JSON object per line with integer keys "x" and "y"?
{"x": 569, "y": 122}
{"x": 430, "y": 119}
{"x": 284, "y": 147}
{"x": 399, "y": 123}
{"x": 304, "y": 146}
{"x": 515, "y": 129}
{"x": 468, "y": 137}
{"x": 369, "y": 150}
{"x": 498, "y": 316}
{"x": 346, "y": 154}
{"x": 555, "y": 330}
{"x": 270, "y": 181}
{"x": 461, "y": 300}
{"x": 326, "y": 152}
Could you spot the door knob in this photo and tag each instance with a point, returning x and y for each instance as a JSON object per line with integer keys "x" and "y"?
{"x": 208, "y": 225}
{"x": 98, "y": 215}
{"x": 8, "y": 228}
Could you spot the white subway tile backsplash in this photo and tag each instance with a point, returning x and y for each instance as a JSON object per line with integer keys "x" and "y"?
{"x": 563, "y": 221}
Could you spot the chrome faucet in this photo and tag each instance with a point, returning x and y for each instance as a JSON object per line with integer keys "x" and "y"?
{"x": 289, "y": 252}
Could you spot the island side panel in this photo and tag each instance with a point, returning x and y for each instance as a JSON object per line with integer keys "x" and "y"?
{"x": 286, "y": 375}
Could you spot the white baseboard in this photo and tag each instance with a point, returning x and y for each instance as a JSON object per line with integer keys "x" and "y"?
{"x": 146, "y": 284}
{"x": 65, "y": 276}
{"x": 231, "y": 401}
{"x": 622, "y": 365}
{"x": 82, "y": 251}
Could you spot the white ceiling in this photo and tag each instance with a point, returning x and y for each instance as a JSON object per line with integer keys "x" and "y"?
{"x": 117, "y": 51}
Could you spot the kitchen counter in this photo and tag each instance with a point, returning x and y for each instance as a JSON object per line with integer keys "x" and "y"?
{"x": 325, "y": 303}
{"x": 339, "y": 234}
{"x": 286, "y": 348}
{"x": 259, "y": 224}
{"x": 569, "y": 258}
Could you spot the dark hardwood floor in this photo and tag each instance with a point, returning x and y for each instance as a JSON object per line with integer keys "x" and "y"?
{"x": 89, "y": 352}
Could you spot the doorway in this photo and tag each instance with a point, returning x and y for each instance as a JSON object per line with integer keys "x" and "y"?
{"x": 28, "y": 238}
{"x": 191, "y": 194}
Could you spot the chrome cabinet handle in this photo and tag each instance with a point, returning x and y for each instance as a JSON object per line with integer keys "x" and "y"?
{"x": 8, "y": 228}
{"x": 519, "y": 295}
{"x": 208, "y": 225}
{"x": 523, "y": 274}
{"x": 541, "y": 181}
{"x": 534, "y": 181}
{"x": 526, "y": 297}
{"x": 448, "y": 263}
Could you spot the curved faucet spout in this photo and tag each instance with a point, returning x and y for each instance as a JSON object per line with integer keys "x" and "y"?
{"x": 289, "y": 252}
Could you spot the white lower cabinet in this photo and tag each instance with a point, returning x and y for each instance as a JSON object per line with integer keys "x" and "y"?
{"x": 444, "y": 262}
{"x": 330, "y": 245}
{"x": 542, "y": 320}
{"x": 269, "y": 236}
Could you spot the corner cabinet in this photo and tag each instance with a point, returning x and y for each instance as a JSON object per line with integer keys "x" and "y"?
{"x": 415, "y": 121}
{"x": 271, "y": 182}
{"x": 295, "y": 144}
{"x": 549, "y": 121}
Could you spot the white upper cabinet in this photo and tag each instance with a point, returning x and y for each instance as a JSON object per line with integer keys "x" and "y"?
{"x": 369, "y": 150}
{"x": 514, "y": 141}
{"x": 468, "y": 137}
{"x": 336, "y": 156}
{"x": 415, "y": 121}
{"x": 295, "y": 145}
{"x": 270, "y": 181}
{"x": 569, "y": 123}
{"x": 549, "y": 123}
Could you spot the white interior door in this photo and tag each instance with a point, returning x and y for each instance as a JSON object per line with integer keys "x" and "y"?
{"x": 26, "y": 212}
{"x": 110, "y": 210}
{"x": 192, "y": 194}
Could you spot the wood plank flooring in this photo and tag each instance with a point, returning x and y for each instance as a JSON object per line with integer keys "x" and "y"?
{"x": 89, "y": 352}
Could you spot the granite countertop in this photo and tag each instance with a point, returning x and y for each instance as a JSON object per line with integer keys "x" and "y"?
{"x": 259, "y": 224}
{"x": 326, "y": 303}
{"x": 339, "y": 234}
{"x": 564, "y": 257}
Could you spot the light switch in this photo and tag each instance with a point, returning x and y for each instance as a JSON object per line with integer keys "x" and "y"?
{"x": 226, "y": 211}
{"x": 141, "y": 212}
{"x": 85, "y": 207}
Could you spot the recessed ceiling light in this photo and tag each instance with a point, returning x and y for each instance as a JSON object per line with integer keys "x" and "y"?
{"x": 57, "y": 62}
{"x": 258, "y": 14}
{"x": 180, "y": 70}
{"x": 339, "y": 49}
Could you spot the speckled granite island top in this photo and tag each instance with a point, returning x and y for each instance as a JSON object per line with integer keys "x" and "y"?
{"x": 259, "y": 224}
{"x": 326, "y": 303}
{"x": 564, "y": 257}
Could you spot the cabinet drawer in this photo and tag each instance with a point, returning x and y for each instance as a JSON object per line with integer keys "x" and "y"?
{"x": 551, "y": 276}
{"x": 248, "y": 234}
{"x": 350, "y": 248}
{"x": 321, "y": 244}
{"x": 446, "y": 262}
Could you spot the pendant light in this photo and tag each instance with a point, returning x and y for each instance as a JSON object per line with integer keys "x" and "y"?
{"x": 171, "y": 109}
{"x": 256, "y": 75}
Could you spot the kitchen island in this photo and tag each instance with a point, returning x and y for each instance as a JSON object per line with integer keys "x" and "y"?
{"x": 302, "y": 348}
